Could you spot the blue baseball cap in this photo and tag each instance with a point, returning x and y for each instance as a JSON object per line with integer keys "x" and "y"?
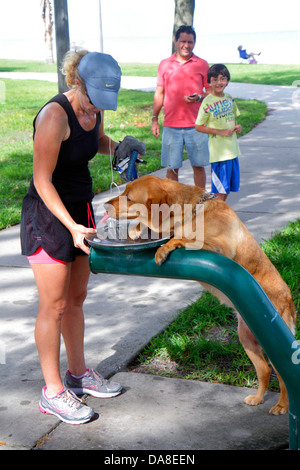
{"x": 102, "y": 77}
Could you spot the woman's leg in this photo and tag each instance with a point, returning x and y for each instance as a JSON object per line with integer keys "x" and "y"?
{"x": 53, "y": 283}
{"x": 73, "y": 319}
{"x": 73, "y": 333}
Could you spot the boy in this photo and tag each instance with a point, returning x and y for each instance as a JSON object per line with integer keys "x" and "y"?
{"x": 217, "y": 118}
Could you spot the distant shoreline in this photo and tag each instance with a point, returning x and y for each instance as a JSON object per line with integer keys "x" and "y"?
{"x": 277, "y": 47}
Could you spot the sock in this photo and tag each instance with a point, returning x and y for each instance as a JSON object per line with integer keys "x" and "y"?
{"x": 53, "y": 396}
{"x": 80, "y": 376}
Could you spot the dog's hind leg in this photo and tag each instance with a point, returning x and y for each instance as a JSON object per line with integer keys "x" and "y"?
{"x": 289, "y": 316}
{"x": 255, "y": 354}
{"x": 283, "y": 403}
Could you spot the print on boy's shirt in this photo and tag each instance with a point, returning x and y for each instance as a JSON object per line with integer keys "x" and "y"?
{"x": 221, "y": 109}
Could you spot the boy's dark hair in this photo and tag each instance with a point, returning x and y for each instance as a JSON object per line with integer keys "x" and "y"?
{"x": 185, "y": 29}
{"x": 217, "y": 69}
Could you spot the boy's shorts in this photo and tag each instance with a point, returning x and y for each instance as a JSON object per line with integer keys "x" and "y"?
{"x": 173, "y": 141}
{"x": 225, "y": 176}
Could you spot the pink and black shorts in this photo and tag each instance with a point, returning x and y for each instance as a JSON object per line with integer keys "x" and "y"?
{"x": 44, "y": 239}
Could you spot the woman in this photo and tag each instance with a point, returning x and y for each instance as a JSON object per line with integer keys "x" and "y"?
{"x": 57, "y": 215}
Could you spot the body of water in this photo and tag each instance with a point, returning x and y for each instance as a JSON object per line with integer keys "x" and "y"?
{"x": 278, "y": 47}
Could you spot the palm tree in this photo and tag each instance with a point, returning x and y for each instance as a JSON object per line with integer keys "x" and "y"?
{"x": 48, "y": 22}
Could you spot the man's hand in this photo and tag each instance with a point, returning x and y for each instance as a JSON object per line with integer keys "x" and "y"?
{"x": 155, "y": 127}
{"x": 192, "y": 98}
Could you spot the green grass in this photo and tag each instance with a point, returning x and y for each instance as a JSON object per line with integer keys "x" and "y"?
{"x": 202, "y": 342}
{"x": 14, "y": 65}
{"x": 133, "y": 117}
{"x": 282, "y": 75}
{"x": 23, "y": 99}
{"x": 283, "y": 249}
{"x": 267, "y": 74}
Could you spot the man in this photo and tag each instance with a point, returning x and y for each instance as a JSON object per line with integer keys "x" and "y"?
{"x": 180, "y": 82}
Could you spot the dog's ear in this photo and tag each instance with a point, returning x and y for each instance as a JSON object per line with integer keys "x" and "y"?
{"x": 158, "y": 209}
{"x": 157, "y": 200}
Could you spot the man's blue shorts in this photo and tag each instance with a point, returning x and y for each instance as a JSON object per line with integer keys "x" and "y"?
{"x": 173, "y": 141}
{"x": 225, "y": 176}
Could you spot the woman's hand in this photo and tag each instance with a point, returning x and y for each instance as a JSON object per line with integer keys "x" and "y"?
{"x": 79, "y": 233}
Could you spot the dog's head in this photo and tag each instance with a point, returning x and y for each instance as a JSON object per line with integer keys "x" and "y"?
{"x": 156, "y": 203}
{"x": 145, "y": 200}
{"x": 144, "y": 192}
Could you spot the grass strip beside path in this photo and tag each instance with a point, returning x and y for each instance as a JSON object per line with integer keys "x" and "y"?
{"x": 263, "y": 74}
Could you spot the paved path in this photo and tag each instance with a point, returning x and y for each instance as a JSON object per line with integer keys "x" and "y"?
{"x": 123, "y": 313}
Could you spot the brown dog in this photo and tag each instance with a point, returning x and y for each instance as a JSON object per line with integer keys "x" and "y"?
{"x": 224, "y": 233}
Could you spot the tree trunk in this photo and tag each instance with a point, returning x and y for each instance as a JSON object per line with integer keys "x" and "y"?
{"x": 62, "y": 38}
{"x": 183, "y": 15}
{"x": 48, "y": 22}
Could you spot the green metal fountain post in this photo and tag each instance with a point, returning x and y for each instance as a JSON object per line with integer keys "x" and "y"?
{"x": 239, "y": 286}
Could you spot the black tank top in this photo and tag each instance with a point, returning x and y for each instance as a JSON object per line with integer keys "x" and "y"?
{"x": 71, "y": 176}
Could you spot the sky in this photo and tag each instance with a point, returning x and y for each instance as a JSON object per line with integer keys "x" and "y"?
{"x": 148, "y": 17}
{"x": 20, "y": 20}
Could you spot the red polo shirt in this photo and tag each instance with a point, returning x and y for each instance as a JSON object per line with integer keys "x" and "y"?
{"x": 179, "y": 80}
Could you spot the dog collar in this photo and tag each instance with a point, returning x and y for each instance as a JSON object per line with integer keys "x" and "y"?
{"x": 205, "y": 197}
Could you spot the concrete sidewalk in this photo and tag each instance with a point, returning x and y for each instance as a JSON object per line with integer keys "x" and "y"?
{"x": 123, "y": 313}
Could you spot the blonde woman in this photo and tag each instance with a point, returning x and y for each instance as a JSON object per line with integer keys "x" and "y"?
{"x": 57, "y": 215}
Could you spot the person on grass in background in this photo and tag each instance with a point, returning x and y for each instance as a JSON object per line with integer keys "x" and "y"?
{"x": 57, "y": 215}
{"x": 180, "y": 82}
{"x": 217, "y": 118}
{"x": 245, "y": 56}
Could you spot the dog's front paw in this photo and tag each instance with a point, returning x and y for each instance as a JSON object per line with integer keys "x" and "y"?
{"x": 135, "y": 231}
{"x": 134, "y": 234}
{"x": 161, "y": 255}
